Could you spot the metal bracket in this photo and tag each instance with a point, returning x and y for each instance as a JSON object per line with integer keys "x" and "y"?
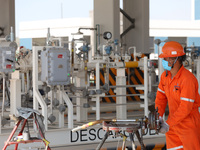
{"x": 132, "y": 20}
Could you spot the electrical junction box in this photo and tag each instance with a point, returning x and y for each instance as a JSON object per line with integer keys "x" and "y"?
{"x": 7, "y": 57}
{"x": 55, "y": 64}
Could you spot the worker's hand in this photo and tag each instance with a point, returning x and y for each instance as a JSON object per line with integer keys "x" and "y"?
{"x": 164, "y": 128}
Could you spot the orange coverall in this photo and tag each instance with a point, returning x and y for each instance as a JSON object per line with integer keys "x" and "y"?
{"x": 181, "y": 94}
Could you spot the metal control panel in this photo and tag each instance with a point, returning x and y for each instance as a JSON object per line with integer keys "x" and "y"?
{"x": 7, "y": 57}
{"x": 55, "y": 64}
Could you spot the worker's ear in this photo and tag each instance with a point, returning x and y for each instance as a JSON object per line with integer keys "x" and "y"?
{"x": 183, "y": 57}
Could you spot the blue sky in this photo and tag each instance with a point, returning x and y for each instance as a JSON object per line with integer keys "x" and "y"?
{"x": 31, "y": 10}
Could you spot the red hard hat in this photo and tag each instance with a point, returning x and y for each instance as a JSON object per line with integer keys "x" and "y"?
{"x": 172, "y": 49}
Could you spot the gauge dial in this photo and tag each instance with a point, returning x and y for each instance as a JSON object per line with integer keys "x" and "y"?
{"x": 107, "y": 35}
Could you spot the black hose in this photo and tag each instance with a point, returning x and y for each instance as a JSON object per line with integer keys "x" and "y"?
{"x": 7, "y": 92}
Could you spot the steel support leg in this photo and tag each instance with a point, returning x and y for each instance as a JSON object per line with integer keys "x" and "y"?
{"x": 103, "y": 141}
{"x": 11, "y": 135}
{"x": 21, "y": 131}
{"x": 140, "y": 140}
{"x": 124, "y": 142}
{"x": 132, "y": 140}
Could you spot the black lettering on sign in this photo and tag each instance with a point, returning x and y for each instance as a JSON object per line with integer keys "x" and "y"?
{"x": 99, "y": 133}
{"x": 92, "y": 132}
{"x": 111, "y": 133}
{"x": 117, "y": 134}
{"x": 82, "y": 135}
{"x": 75, "y": 135}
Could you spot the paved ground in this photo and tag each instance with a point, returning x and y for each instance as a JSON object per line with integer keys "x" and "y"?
{"x": 153, "y": 140}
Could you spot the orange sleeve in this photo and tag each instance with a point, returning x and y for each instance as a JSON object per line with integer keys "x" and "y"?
{"x": 161, "y": 99}
{"x": 187, "y": 97}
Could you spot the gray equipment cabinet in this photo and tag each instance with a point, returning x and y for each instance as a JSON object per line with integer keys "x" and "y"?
{"x": 7, "y": 57}
{"x": 55, "y": 64}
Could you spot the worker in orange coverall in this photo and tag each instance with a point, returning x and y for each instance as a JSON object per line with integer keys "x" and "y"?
{"x": 179, "y": 88}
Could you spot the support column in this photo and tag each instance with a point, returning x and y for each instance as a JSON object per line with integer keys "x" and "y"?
{"x": 121, "y": 108}
{"x": 139, "y": 36}
{"x": 97, "y": 108}
{"x": 146, "y": 102}
{"x": 15, "y": 92}
{"x": 81, "y": 113}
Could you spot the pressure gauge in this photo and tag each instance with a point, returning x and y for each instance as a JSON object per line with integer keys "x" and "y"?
{"x": 107, "y": 35}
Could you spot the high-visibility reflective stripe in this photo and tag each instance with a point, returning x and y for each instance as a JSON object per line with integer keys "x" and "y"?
{"x": 175, "y": 148}
{"x": 187, "y": 99}
{"x": 161, "y": 91}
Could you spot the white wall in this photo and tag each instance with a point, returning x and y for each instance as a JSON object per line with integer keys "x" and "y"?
{"x": 173, "y": 28}
{"x": 58, "y": 27}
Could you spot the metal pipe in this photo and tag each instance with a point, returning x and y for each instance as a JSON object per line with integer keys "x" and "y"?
{"x": 52, "y": 98}
{"x": 122, "y": 95}
{"x": 61, "y": 115}
{"x": 128, "y": 86}
{"x": 86, "y": 29}
{"x": 72, "y": 51}
{"x": 109, "y": 95}
{"x": 97, "y": 36}
{"x": 109, "y": 105}
{"x": 145, "y": 87}
{"x": 23, "y": 82}
{"x": 132, "y": 20}
{"x": 98, "y": 31}
{"x": 106, "y": 74}
{"x": 4, "y": 88}
{"x": 12, "y": 37}
{"x": 48, "y": 42}
{"x": 127, "y": 16}
{"x": 97, "y": 28}
{"x": 107, "y": 77}
{"x": 129, "y": 76}
{"x": 28, "y": 81}
{"x": 134, "y": 52}
{"x": 97, "y": 76}
{"x": 131, "y": 64}
{"x": 127, "y": 30}
{"x": 85, "y": 68}
{"x": 115, "y": 86}
{"x": 88, "y": 79}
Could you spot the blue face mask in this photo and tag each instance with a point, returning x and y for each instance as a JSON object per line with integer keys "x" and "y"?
{"x": 165, "y": 65}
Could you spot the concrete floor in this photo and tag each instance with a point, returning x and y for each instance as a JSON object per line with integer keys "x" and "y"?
{"x": 147, "y": 141}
